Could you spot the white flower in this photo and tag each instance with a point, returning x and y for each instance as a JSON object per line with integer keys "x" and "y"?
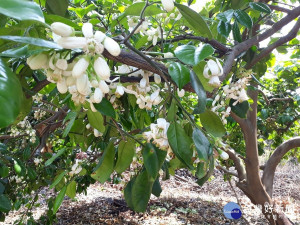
{"x": 168, "y": 5}
{"x": 62, "y": 86}
{"x": 87, "y": 30}
{"x": 212, "y": 68}
{"x": 103, "y": 86}
{"x": 143, "y": 82}
{"x": 243, "y": 96}
{"x": 224, "y": 155}
{"x": 72, "y": 42}
{"x": 214, "y": 81}
{"x": 62, "y": 29}
{"x": 157, "y": 78}
{"x": 80, "y": 67}
{"x": 112, "y": 46}
{"x": 82, "y": 84}
{"x": 168, "y": 55}
{"x": 180, "y": 92}
{"x": 119, "y": 91}
{"x": 98, "y": 95}
{"x": 88, "y": 126}
{"x": 101, "y": 68}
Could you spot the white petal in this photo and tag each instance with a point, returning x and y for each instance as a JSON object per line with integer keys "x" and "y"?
{"x": 87, "y": 30}
{"x": 62, "y": 86}
{"x": 61, "y": 64}
{"x": 213, "y": 67}
{"x": 112, "y": 46}
{"x": 157, "y": 78}
{"x": 80, "y": 67}
{"x": 72, "y": 42}
{"x": 103, "y": 86}
{"x": 101, "y": 68}
{"x": 62, "y": 29}
{"x": 214, "y": 81}
{"x": 99, "y": 36}
{"x": 98, "y": 95}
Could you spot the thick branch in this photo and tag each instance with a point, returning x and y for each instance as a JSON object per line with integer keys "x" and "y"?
{"x": 238, "y": 164}
{"x": 244, "y": 46}
{"x": 279, "y": 8}
{"x": 274, "y": 160}
{"x": 292, "y": 34}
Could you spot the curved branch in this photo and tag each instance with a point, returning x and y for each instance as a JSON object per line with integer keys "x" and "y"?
{"x": 279, "y": 8}
{"x": 274, "y": 160}
{"x": 244, "y": 46}
{"x": 292, "y": 34}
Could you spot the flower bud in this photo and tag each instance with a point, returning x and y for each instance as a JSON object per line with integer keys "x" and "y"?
{"x": 168, "y": 5}
{"x": 101, "y": 68}
{"x": 224, "y": 155}
{"x": 214, "y": 81}
{"x": 112, "y": 46}
{"x": 119, "y": 91}
{"x": 61, "y": 64}
{"x": 98, "y": 95}
{"x": 99, "y": 36}
{"x": 62, "y": 29}
{"x": 143, "y": 82}
{"x": 180, "y": 92}
{"x": 103, "y": 86}
{"x": 88, "y": 126}
{"x": 62, "y": 86}
{"x": 80, "y": 67}
{"x": 168, "y": 55}
{"x": 81, "y": 84}
{"x": 157, "y": 78}
{"x": 87, "y": 30}
{"x": 39, "y": 61}
{"x": 72, "y": 42}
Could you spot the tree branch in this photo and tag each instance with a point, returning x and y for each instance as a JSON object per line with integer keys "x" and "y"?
{"x": 245, "y": 45}
{"x": 227, "y": 171}
{"x": 238, "y": 164}
{"x": 274, "y": 160}
{"x": 279, "y": 8}
{"x": 292, "y": 34}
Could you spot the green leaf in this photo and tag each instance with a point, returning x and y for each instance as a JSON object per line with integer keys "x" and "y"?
{"x": 198, "y": 87}
{"x": 212, "y": 123}
{"x": 180, "y": 143}
{"x": 201, "y": 170}
{"x": 261, "y": 7}
{"x": 32, "y": 41}
{"x": 236, "y": 32}
{"x": 209, "y": 173}
{"x": 179, "y": 73}
{"x": 136, "y": 9}
{"x": 96, "y": 120}
{"x": 31, "y": 173}
{"x": 4, "y": 171}
{"x": 71, "y": 118}
{"x": 141, "y": 192}
{"x": 150, "y": 160}
{"x": 71, "y": 189}
{"x": 16, "y": 52}
{"x": 240, "y": 109}
{"x": 202, "y": 145}
{"x": 106, "y": 108}
{"x": 126, "y": 152}
{"x": 55, "y": 156}
{"x": 57, "y": 7}
{"x": 224, "y": 28}
{"x": 59, "y": 199}
{"x": 58, "y": 179}
{"x": 172, "y": 110}
{"x": 195, "y": 20}
{"x": 106, "y": 164}
{"x": 243, "y": 18}
{"x": 156, "y": 189}
{"x": 128, "y": 192}
{"x": 21, "y": 10}
{"x": 191, "y": 55}
{"x": 11, "y": 95}
{"x": 226, "y": 16}
{"x": 5, "y": 203}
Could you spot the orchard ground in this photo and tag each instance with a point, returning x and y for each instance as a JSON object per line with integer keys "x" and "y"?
{"x": 182, "y": 201}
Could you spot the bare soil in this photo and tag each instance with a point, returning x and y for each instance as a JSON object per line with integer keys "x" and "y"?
{"x": 181, "y": 202}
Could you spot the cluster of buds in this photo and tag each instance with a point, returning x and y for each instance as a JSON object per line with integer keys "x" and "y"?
{"x": 212, "y": 71}
{"x": 84, "y": 82}
{"x": 133, "y": 22}
{"x": 16, "y": 178}
{"x": 24, "y": 128}
{"x": 237, "y": 90}
{"x": 158, "y": 134}
{"x": 39, "y": 114}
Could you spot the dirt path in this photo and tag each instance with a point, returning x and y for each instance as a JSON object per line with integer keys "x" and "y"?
{"x": 181, "y": 202}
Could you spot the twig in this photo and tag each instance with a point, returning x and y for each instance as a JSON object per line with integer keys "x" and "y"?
{"x": 226, "y": 170}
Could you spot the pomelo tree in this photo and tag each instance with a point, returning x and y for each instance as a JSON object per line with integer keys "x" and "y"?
{"x": 92, "y": 89}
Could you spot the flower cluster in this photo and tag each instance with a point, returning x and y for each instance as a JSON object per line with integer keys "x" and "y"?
{"x": 39, "y": 114}
{"x": 76, "y": 168}
{"x": 24, "y": 128}
{"x": 212, "y": 71}
{"x": 16, "y": 178}
{"x": 85, "y": 77}
{"x": 158, "y": 134}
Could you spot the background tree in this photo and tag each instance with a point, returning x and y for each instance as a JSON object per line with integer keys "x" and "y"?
{"x": 68, "y": 88}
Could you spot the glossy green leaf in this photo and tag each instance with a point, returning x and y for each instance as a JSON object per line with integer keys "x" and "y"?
{"x": 226, "y": 16}
{"x": 236, "y": 32}
{"x": 209, "y": 173}
{"x": 224, "y": 28}
{"x": 199, "y": 89}
{"x": 106, "y": 108}
{"x": 58, "y": 179}
{"x": 16, "y": 52}
{"x": 195, "y": 20}
{"x": 71, "y": 119}
{"x": 156, "y": 189}
{"x": 141, "y": 192}
{"x": 4, "y": 171}
{"x": 180, "y": 143}
{"x": 96, "y": 120}
{"x": 32, "y": 41}
{"x": 261, "y": 7}
{"x": 5, "y": 203}
{"x": 21, "y": 10}
{"x": 106, "y": 164}
{"x": 193, "y": 55}
{"x": 11, "y": 95}
{"x": 212, "y": 123}
{"x": 243, "y": 18}
{"x": 179, "y": 73}
{"x": 136, "y": 9}
{"x": 128, "y": 192}
{"x": 71, "y": 189}
{"x": 126, "y": 152}
{"x": 202, "y": 145}
{"x": 57, "y": 7}
{"x": 55, "y": 156}
{"x": 59, "y": 199}
{"x": 240, "y": 109}
{"x": 172, "y": 110}
{"x": 150, "y": 160}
